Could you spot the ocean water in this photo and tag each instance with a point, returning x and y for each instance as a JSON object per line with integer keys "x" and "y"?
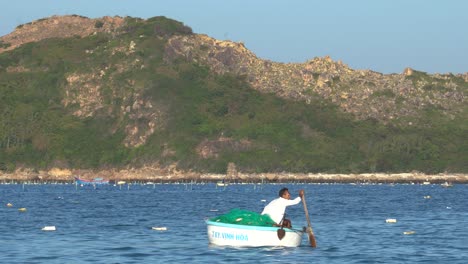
{"x": 112, "y": 224}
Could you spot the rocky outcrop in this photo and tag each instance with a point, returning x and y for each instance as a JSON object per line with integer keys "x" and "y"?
{"x": 364, "y": 93}
{"x": 157, "y": 175}
{"x": 59, "y": 27}
{"x": 212, "y": 148}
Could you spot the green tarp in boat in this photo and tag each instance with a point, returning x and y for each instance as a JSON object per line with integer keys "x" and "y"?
{"x": 244, "y": 217}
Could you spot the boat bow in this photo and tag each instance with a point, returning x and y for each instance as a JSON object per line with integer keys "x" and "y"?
{"x": 224, "y": 234}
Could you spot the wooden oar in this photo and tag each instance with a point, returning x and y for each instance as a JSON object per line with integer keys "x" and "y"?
{"x": 312, "y": 241}
{"x": 280, "y": 232}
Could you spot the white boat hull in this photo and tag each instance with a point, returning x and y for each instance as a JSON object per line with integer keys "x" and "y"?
{"x": 223, "y": 234}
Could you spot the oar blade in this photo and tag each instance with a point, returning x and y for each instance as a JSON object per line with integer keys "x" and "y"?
{"x": 312, "y": 241}
{"x": 281, "y": 233}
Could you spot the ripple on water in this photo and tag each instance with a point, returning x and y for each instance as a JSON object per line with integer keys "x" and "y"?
{"x": 112, "y": 225}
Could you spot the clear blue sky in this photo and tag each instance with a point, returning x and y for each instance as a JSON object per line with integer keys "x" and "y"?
{"x": 380, "y": 35}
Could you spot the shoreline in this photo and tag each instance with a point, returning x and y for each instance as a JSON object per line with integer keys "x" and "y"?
{"x": 155, "y": 175}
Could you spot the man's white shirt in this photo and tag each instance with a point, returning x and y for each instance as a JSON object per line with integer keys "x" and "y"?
{"x": 276, "y": 208}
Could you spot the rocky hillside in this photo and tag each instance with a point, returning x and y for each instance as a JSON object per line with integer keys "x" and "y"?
{"x": 59, "y": 27}
{"x": 364, "y": 93}
{"x": 78, "y": 93}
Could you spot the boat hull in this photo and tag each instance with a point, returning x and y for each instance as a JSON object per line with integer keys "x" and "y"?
{"x": 222, "y": 234}
{"x": 96, "y": 181}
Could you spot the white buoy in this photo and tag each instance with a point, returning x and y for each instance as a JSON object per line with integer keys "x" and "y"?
{"x": 391, "y": 220}
{"x": 161, "y": 228}
{"x": 49, "y": 228}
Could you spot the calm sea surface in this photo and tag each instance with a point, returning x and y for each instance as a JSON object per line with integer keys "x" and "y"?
{"x": 112, "y": 224}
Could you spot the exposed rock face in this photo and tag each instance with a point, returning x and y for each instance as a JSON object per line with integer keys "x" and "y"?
{"x": 408, "y": 72}
{"x": 60, "y": 27}
{"x": 212, "y": 148}
{"x": 85, "y": 91}
{"x": 364, "y": 93}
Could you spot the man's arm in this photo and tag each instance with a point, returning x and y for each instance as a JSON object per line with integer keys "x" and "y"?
{"x": 297, "y": 200}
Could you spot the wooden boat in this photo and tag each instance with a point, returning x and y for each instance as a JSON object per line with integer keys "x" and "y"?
{"x": 94, "y": 181}
{"x": 223, "y": 234}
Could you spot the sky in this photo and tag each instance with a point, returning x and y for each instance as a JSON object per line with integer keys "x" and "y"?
{"x": 380, "y": 35}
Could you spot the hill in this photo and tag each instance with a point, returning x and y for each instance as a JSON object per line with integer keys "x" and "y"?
{"x": 126, "y": 92}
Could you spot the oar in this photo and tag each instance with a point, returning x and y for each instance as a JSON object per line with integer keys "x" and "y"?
{"x": 280, "y": 232}
{"x": 312, "y": 241}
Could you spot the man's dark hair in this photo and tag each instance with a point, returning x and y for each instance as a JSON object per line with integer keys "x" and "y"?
{"x": 282, "y": 191}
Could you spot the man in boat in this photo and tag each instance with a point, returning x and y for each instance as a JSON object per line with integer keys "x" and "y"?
{"x": 276, "y": 208}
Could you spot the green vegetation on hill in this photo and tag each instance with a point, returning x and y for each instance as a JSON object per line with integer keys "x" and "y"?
{"x": 262, "y": 132}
